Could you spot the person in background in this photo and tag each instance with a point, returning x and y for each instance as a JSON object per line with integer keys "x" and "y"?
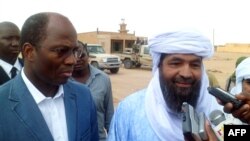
{"x": 242, "y": 91}
{"x": 100, "y": 87}
{"x": 10, "y": 64}
{"x": 213, "y": 82}
{"x": 179, "y": 75}
{"x": 41, "y": 103}
{"x": 230, "y": 83}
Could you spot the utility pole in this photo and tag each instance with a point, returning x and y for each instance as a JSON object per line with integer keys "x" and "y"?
{"x": 215, "y": 48}
{"x": 213, "y": 36}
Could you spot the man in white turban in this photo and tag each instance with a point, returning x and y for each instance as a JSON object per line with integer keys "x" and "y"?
{"x": 242, "y": 92}
{"x": 154, "y": 113}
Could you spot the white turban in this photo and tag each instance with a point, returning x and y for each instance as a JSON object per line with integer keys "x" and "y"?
{"x": 242, "y": 72}
{"x": 185, "y": 41}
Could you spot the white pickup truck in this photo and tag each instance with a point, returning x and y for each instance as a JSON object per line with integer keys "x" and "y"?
{"x": 99, "y": 59}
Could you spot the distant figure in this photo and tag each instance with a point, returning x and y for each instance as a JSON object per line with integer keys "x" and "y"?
{"x": 41, "y": 103}
{"x": 213, "y": 82}
{"x": 242, "y": 91}
{"x": 100, "y": 87}
{"x": 230, "y": 82}
{"x": 10, "y": 64}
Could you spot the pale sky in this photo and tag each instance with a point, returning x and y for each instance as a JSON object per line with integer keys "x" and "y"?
{"x": 229, "y": 19}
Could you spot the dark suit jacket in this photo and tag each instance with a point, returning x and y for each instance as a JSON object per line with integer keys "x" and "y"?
{"x": 4, "y": 76}
{"x": 21, "y": 119}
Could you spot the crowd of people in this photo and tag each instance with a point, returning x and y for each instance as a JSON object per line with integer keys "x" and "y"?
{"x": 52, "y": 93}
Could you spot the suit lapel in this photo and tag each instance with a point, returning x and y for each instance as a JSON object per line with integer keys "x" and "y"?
{"x": 3, "y": 76}
{"x": 27, "y": 110}
{"x": 70, "y": 111}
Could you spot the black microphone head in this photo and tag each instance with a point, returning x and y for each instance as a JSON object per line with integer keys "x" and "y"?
{"x": 216, "y": 117}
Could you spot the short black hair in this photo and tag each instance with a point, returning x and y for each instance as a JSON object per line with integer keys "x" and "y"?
{"x": 34, "y": 29}
{"x": 9, "y": 24}
{"x": 84, "y": 45}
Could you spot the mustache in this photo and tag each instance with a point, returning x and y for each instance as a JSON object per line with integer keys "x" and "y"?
{"x": 184, "y": 80}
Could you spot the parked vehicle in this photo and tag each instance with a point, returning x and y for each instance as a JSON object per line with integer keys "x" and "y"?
{"x": 137, "y": 56}
{"x": 99, "y": 59}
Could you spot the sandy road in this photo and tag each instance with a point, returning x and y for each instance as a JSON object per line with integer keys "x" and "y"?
{"x": 127, "y": 81}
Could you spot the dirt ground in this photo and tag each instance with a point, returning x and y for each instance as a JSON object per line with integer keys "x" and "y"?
{"x": 127, "y": 81}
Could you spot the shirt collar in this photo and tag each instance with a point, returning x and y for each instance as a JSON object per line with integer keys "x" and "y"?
{"x": 18, "y": 65}
{"x": 36, "y": 94}
{"x": 7, "y": 67}
{"x": 93, "y": 73}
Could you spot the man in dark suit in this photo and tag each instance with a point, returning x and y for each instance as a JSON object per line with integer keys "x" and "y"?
{"x": 41, "y": 103}
{"x": 10, "y": 64}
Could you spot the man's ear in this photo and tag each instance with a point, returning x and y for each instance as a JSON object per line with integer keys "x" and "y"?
{"x": 28, "y": 51}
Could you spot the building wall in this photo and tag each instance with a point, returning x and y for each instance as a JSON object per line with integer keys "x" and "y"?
{"x": 88, "y": 37}
{"x": 94, "y": 38}
{"x": 234, "y": 47}
{"x": 106, "y": 38}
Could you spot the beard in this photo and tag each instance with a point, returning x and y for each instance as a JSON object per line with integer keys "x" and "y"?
{"x": 174, "y": 96}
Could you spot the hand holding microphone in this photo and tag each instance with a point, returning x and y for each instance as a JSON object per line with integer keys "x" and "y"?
{"x": 195, "y": 126}
{"x": 192, "y": 120}
{"x": 225, "y": 97}
{"x": 242, "y": 113}
{"x": 238, "y": 105}
{"x": 192, "y": 124}
{"x": 218, "y": 119}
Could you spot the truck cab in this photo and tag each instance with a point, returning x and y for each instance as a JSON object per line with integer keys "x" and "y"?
{"x": 99, "y": 59}
{"x": 145, "y": 58}
{"x": 136, "y": 57}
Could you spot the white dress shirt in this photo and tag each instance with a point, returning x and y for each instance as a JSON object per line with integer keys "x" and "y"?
{"x": 52, "y": 109}
{"x": 7, "y": 67}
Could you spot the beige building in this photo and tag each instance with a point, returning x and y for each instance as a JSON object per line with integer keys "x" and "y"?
{"x": 112, "y": 42}
{"x": 234, "y": 47}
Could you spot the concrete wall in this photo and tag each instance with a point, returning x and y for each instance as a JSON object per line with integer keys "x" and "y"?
{"x": 88, "y": 37}
{"x": 234, "y": 47}
{"x": 105, "y": 38}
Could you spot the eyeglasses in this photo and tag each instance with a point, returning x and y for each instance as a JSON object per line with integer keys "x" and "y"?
{"x": 83, "y": 55}
{"x": 66, "y": 51}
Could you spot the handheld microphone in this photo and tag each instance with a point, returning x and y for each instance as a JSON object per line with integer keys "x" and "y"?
{"x": 224, "y": 96}
{"x": 193, "y": 124}
{"x": 218, "y": 119}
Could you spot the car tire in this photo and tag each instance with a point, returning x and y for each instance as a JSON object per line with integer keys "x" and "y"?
{"x": 128, "y": 64}
{"x": 114, "y": 70}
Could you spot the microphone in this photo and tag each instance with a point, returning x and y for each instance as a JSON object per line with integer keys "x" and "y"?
{"x": 218, "y": 119}
{"x": 193, "y": 124}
